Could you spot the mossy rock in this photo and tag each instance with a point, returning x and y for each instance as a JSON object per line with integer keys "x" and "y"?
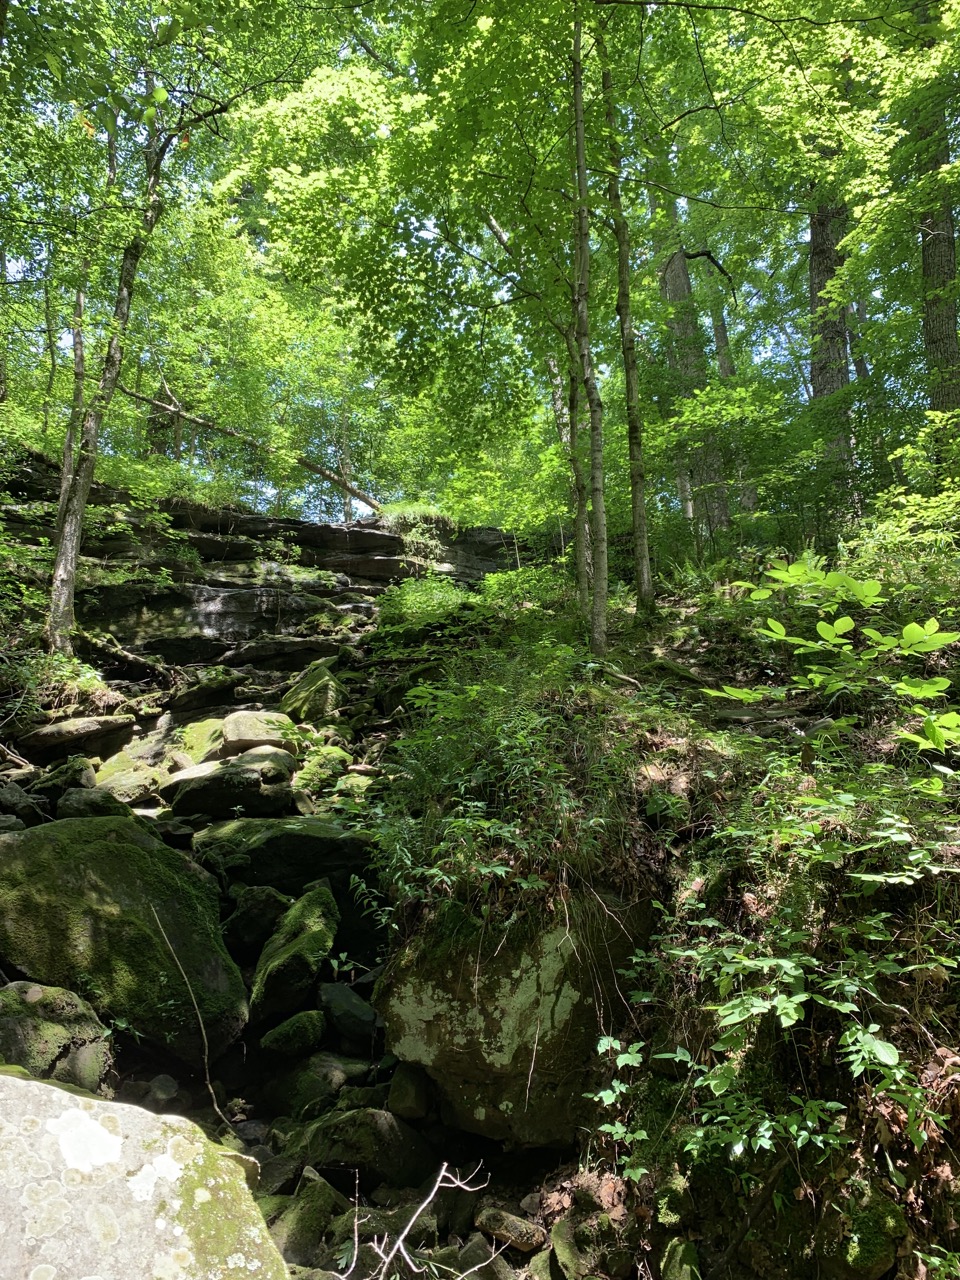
{"x": 300, "y": 1229}
{"x": 680, "y": 1260}
{"x": 291, "y": 960}
{"x": 675, "y": 1208}
{"x": 201, "y": 740}
{"x": 313, "y": 1085}
{"x": 286, "y": 853}
{"x": 316, "y": 695}
{"x": 131, "y": 785}
{"x": 322, "y": 766}
{"x": 85, "y": 904}
{"x": 375, "y": 1143}
{"x": 53, "y": 1034}
{"x": 298, "y": 1037}
{"x": 860, "y": 1241}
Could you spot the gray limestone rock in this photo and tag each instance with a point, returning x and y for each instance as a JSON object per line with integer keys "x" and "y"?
{"x": 91, "y": 1188}
{"x": 243, "y": 730}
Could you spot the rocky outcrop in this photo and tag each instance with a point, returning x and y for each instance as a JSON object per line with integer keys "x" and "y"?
{"x": 94, "y": 1188}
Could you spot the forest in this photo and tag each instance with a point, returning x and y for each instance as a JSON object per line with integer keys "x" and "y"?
{"x": 480, "y": 533}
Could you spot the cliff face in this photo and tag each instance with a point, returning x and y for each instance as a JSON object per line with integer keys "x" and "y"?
{"x": 200, "y": 582}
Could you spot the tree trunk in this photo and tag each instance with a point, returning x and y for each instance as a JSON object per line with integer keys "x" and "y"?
{"x": 829, "y": 369}
{"x": 4, "y": 389}
{"x": 643, "y": 579}
{"x": 60, "y": 621}
{"x": 938, "y": 252}
{"x": 76, "y": 408}
{"x": 721, "y": 340}
{"x": 598, "y": 512}
{"x": 566, "y": 411}
{"x": 50, "y": 335}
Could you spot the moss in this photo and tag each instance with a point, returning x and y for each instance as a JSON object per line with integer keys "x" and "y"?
{"x": 861, "y": 1243}
{"x": 673, "y": 1201}
{"x": 298, "y": 1036}
{"x": 80, "y": 901}
{"x": 316, "y": 695}
{"x": 290, "y": 961}
{"x": 322, "y": 765}
{"x": 201, "y": 738}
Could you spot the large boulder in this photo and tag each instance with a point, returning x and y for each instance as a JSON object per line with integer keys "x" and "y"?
{"x": 91, "y": 1188}
{"x": 510, "y": 1037}
{"x": 95, "y": 735}
{"x": 290, "y": 962}
{"x": 286, "y": 853}
{"x": 99, "y": 906}
{"x": 220, "y": 789}
{"x": 375, "y": 1143}
{"x": 243, "y": 730}
{"x": 53, "y": 1034}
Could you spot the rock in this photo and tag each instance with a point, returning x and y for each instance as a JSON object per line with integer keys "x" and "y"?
{"x": 78, "y": 802}
{"x": 77, "y": 903}
{"x": 480, "y": 1258}
{"x": 386, "y": 1225}
{"x": 131, "y": 786}
{"x": 298, "y": 1037}
{"x": 510, "y": 1040}
{"x": 245, "y": 729}
{"x": 510, "y": 1230}
{"x": 316, "y": 695}
{"x": 286, "y": 853}
{"x": 314, "y": 1084}
{"x": 281, "y": 653}
{"x": 94, "y": 1188}
{"x": 255, "y": 918}
{"x": 278, "y": 1174}
{"x": 411, "y": 1093}
{"x": 323, "y": 766}
{"x": 680, "y": 1260}
{"x": 574, "y": 1262}
{"x": 53, "y": 1034}
{"x": 299, "y": 1231}
{"x": 9, "y": 823}
{"x": 201, "y": 740}
{"x": 161, "y": 1091}
{"x": 16, "y": 803}
{"x": 375, "y": 1143}
{"x": 77, "y": 771}
{"x": 354, "y": 1097}
{"x": 215, "y": 684}
{"x": 858, "y": 1241}
{"x": 96, "y": 735}
{"x": 289, "y": 964}
{"x": 274, "y": 764}
{"x": 220, "y": 789}
{"x": 348, "y": 1012}
{"x": 674, "y": 1203}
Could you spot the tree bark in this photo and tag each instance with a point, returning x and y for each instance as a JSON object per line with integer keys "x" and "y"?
{"x": 4, "y": 388}
{"x": 643, "y": 578}
{"x": 76, "y": 408}
{"x": 598, "y": 511}
{"x": 938, "y": 252}
{"x": 829, "y": 367}
{"x": 61, "y": 620}
{"x": 566, "y": 409}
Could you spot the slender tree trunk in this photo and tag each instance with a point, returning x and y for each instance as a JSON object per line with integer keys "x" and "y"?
{"x": 4, "y": 9}
{"x": 856, "y": 316}
{"x": 643, "y": 579}
{"x": 598, "y": 511}
{"x": 50, "y": 335}
{"x": 60, "y": 621}
{"x": 4, "y": 388}
{"x": 938, "y": 253}
{"x": 829, "y": 368}
{"x": 721, "y": 340}
{"x": 566, "y": 410}
{"x": 76, "y": 408}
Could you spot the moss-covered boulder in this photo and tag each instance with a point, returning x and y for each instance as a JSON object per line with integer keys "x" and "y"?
{"x": 300, "y": 1229}
{"x": 375, "y": 1143}
{"x": 323, "y": 765}
{"x": 316, "y": 695}
{"x": 245, "y": 729}
{"x": 201, "y": 739}
{"x": 99, "y": 906}
{"x": 90, "y": 802}
{"x": 313, "y": 1086}
{"x": 286, "y": 853}
{"x": 93, "y": 1188}
{"x": 298, "y": 1037}
{"x": 53, "y": 1034}
{"x": 290, "y": 962}
{"x": 219, "y": 789}
{"x": 509, "y": 1035}
{"x": 680, "y": 1260}
{"x": 858, "y": 1239}
{"x": 258, "y": 911}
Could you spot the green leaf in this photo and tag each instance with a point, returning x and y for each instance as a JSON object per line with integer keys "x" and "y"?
{"x": 776, "y": 627}
{"x": 842, "y": 625}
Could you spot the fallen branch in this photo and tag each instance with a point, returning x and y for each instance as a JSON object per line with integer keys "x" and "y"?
{"x": 205, "y": 423}
{"x": 112, "y": 648}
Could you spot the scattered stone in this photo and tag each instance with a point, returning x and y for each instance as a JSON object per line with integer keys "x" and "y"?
{"x": 316, "y": 695}
{"x": 481, "y": 1259}
{"x": 299, "y": 1231}
{"x": 108, "y": 1189}
{"x": 245, "y": 729}
{"x": 387, "y": 1224}
{"x": 274, "y": 764}
{"x": 255, "y": 918}
{"x": 575, "y": 1262}
{"x": 133, "y": 785}
{"x": 96, "y": 735}
{"x": 287, "y": 853}
{"x": 411, "y": 1094}
{"x": 509, "y": 1229}
{"x": 375, "y": 1143}
{"x": 77, "y": 903}
{"x": 298, "y": 1036}
{"x": 314, "y": 1084}
{"x": 348, "y": 1012}
{"x": 16, "y": 803}
{"x": 77, "y": 771}
{"x": 857, "y": 1241}
{"x": 290, "y": 961}
{"x": 531, "y": 1204}
{"x": 9, "y": 823}
{"x": 218, "y": 789}
{"x": 53, "y": 1034}
{"x": 79, "y": 802}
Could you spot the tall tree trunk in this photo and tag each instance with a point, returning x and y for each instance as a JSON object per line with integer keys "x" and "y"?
{"x": 938, "y": 253}
{"x": 643, "y": 579}
{"x": 566, "y": 411}
{"x": 829, "y": 368}
{"x": 721, "y": 341}
{"x": 346, "y": 469}
{"x": 598, "y": 511}
{"x": 76, "y": 408}
{"x": 4, "y": 388}
{"x": 60, "y": 620}
{"x": 50, "y": 335}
